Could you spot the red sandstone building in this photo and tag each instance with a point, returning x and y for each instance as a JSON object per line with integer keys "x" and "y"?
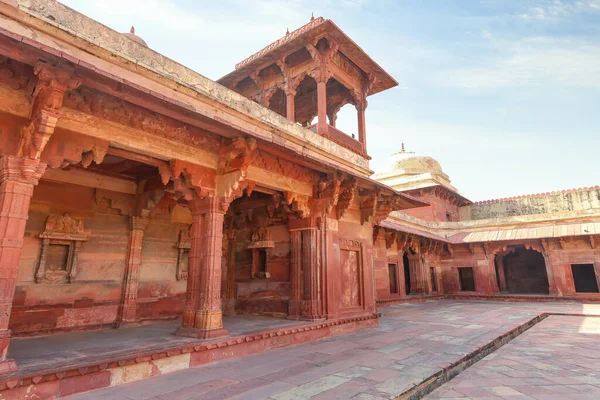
{"x": 133, "y": 190}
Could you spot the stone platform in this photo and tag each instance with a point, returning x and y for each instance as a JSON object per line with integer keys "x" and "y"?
{"x": 416, "y": 348}
{"x": 60, "y": 365}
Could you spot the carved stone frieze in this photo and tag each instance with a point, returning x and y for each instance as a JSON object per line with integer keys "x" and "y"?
{"x": 60, "y": 248}
{"x": 104, "y": 106}
{"x": 283, "y": 167}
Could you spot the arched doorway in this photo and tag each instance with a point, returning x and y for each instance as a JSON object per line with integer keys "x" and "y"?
{"x": 525, "y": 272}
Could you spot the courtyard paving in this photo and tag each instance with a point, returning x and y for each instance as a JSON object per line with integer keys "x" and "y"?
{"x": 555, "y": 360}
{"x": 413, "y": 342}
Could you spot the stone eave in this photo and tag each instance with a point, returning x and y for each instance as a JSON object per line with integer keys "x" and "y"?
{"x": 65, "y": 33}
{"x": 408, "y": 201}
{"x": 295, "y": 40}
{"x": 557, "y": 225}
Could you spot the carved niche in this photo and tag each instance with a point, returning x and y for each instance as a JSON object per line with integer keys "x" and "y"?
{"x": 61, "y": 240}
{"x": 183, "y": 255}
{"x": 261, "y": 246}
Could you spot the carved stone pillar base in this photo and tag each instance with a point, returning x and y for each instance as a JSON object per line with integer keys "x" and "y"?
{"x": 294, "y": 309}
{"x": 202, "y": 333}
{"x": 7, "y": 366}
{"x": 310, "y": 310}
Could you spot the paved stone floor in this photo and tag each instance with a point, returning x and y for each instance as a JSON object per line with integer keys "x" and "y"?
{"x": 412, "y": 342}
{"x": 33, "y": 354}
{"x": 558, "y": 359}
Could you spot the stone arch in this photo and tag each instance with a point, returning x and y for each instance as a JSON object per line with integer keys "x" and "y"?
{"x": 524, "y": 270}
{"x": 278, "y": 102}
{"x": 305, "y": 101}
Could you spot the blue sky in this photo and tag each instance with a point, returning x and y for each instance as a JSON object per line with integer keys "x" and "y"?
{"x": 505, "y": 94}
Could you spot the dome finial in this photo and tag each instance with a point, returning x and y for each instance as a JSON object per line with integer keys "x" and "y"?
{"x": 312, "y": 16}
{"x": 287, "y": 31}
{"x": 403, "y": 147}
{"x": 132, "y": 30}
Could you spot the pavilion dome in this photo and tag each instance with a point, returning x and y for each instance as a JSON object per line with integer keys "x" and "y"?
{"x": 410, "y": 163}
{"x": 407, "y": 170}
{"x": 131, "y": 35}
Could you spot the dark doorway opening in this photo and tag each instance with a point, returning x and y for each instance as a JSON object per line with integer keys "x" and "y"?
{"x": 584, "y": 277}
{"x": 467, "y": 279}
{"x": 433, "y": 280}
{"x": 393, "y": 279}
{"x": 525, "y": 272}
{"x": 406, "y": 273}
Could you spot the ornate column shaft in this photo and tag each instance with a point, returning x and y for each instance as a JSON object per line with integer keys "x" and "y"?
{"x": 128, "y": 309}
{"x": 290, "y": 105}
{"x": 18, "y": 176}
{"x": 322, "y": 105}
{"x": 362, "y": 129}
{"x": 501, "y": 274}
{"x": 203, "y": 315}
{"x": 311, "y": 273}
{"x": 552, "y": 289}
{"x": 295, "y": 274}
{"x": 229, "y": 290}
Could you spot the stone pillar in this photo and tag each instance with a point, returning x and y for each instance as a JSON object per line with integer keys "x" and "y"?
{"x": 311, "y": 273}
{"x": 128, "y": 309}
{"x": 499, "y": 260}
{"x": 290, "y": 105}
{"x": 362, "y": 130}
{"x": 229, "y": 290}
{"x": 203, "y": 316}
{"x": 552, "y": 289}
{"x": 322, "y": 105}
{"x": 295, "y": 274}
{"x": 18, "y": 176}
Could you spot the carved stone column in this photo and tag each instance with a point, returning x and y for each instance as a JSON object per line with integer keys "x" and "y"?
{"x": 362, "y": 130}
{"x": 311, "y": 272}
{"x": 18, "y": 176}
{"x": 552, "y": 289}
{"x": 290, "y": 105}
{"x": 499, "y": 260}
{"x": 127, "y": 311}
{"x": 295, "y": 275}
{"x": 322, "y": 104}
{"x": 202, "y": 316}
{"x": 229, "y": 289}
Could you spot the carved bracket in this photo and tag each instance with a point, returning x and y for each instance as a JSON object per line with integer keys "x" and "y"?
{"x": 48, "y": 96}
{"x": 300, "y": 204}
{"x": 346, "y": 197}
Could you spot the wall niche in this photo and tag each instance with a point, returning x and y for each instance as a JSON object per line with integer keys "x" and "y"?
{"x": 183, "y": 255}
{"x": 61, "y": 240}
{"x": 261, "y": 247}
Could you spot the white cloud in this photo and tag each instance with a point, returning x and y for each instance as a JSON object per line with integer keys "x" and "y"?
{"x": 533, "y": 62}
{"x": 554, "y": 10}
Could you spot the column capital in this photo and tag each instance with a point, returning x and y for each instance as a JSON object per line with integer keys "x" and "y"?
{"x": 21, "y": 169}
{"x": 139, "y": 223}
{"x": 206, "y": 205}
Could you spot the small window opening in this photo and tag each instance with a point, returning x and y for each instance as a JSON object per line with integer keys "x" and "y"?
{"x": 584, "y": 278}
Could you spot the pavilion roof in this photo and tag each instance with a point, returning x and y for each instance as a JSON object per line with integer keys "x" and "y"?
{"x": 308, "y": 33}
